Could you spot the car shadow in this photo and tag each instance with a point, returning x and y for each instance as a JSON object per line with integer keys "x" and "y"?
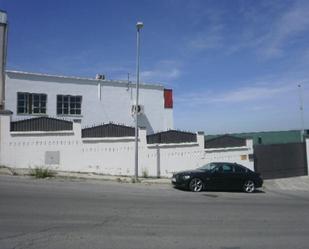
{"x": 212, "y": 193}
{"x": 257, "y": 191}
{"x": 181, "y": 189}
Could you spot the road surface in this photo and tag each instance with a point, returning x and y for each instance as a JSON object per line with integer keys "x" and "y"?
{"x": 54, "y": 213}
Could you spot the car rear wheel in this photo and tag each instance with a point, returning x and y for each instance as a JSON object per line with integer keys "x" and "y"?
{"x": 249, "y": 186}
{"x": 196, "y": 185}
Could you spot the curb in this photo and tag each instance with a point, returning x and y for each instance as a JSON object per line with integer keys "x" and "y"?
{"x": 86, "y": 176}
{"x": 300, "y": 183}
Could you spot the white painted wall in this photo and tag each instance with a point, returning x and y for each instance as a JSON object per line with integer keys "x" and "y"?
{"x": 102, "y": 101}
{"x": 238, "y": 155}
{"x": 168, "y": 117}
{"x": 113, "y": 156}
{"x": 101, "y": 155}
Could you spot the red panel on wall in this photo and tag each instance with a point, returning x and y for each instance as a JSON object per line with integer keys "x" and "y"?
{"x": 168, "y": 98}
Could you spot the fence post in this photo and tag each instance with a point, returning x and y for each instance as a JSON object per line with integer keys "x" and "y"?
{"x": 200, "y": 137}
{"x": 250, "y": 159}
{"x": 5, "y": 122}
{"x": 307, "y": 153}
{"x": 158, "y": 161}
{"x": 77, "y": 129}
{"x": 142, "y": 147}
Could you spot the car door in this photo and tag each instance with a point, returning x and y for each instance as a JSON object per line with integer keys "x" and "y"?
{"x": 240, "y": 176}
{"x": 227, "y": 176}
{"x": 217, "y": 179}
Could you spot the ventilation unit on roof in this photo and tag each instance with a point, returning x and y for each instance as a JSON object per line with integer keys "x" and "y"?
{"x": 100, "y": 77}
{"x": 140, "y": 109}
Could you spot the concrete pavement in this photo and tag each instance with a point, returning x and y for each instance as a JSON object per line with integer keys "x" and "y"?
{"x": 300, "y": 183}
{"x": 79, "y": 213}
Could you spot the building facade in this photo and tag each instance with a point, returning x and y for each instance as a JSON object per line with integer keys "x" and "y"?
{"x": 92, "y": 101}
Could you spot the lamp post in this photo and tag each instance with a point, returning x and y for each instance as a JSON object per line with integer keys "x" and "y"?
{"x": 301, "y": 108}
{"x": 139, "y": 26}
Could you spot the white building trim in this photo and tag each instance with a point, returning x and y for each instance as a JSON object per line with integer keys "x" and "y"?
{"x": 77, "y": 80}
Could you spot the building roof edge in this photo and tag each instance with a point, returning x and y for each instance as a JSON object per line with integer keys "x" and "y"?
{"x": 84, "y": 79}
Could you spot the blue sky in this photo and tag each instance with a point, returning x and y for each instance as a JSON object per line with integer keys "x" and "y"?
{"x": 234, "y": 66}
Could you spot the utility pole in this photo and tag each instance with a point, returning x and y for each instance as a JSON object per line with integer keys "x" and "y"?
{"x": 3, "y": 48}
{"x": 301, "y": 108}
{"x": 139, "y": 26}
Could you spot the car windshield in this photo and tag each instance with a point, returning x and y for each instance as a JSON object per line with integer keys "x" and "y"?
{"x": 207, "y": 167}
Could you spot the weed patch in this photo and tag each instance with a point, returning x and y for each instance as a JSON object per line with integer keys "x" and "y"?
{"x": 40, "y": 172}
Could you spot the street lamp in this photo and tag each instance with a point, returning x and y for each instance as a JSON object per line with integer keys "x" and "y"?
{"x": 139, "y": 26}
{"x": 301, "y": 108}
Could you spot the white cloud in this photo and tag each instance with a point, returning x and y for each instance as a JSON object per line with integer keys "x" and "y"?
{"x": 291, "y": 24}
{"x": 257, "y": 92}
{"x": 163, "y": 71}
{"x": 251, "y": 93}
{"x": 267, "y": 33}
{"x": 271, "y": 40}
{"x": 169, "y": 73}
{"x": 210, "y": 39}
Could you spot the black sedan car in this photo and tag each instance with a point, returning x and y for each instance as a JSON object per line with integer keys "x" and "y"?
{"x": 219, "y": 175}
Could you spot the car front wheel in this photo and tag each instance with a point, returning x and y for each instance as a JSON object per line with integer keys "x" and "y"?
{"x": 196, "y": 185}
{"x": 249, "y": 186}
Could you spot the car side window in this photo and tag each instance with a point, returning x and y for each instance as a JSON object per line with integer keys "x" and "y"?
{"x": 227, "y": 168}
{"x": 217, "y": 169}
{"x": 240, "y": 169}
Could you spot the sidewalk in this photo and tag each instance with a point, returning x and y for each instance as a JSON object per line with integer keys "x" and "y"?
{"x": 300, "y": 183}
{"x": 124, "y": 179}
{"x": 89, "y": 176}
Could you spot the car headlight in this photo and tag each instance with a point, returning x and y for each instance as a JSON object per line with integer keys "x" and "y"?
{"x": 186, "y": 177}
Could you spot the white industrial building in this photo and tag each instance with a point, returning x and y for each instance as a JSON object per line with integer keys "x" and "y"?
{"x": 93, "y": 101}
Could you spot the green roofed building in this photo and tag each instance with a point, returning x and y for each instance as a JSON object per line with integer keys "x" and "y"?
{"x": 268, "y": 137}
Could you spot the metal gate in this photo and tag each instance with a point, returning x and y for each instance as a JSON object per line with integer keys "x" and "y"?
{"x": 280, "y": 160}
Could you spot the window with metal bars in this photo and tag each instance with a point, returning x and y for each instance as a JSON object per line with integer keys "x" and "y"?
{"x": 31, "y": 103}
{"x": 69, "y": 105}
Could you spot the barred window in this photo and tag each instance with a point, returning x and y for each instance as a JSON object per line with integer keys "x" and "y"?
{"x": 22, "y": 103}
{"x": 69, "y": 105}
{"x": 31, "y": 103}
{"x": 38, "y": 103}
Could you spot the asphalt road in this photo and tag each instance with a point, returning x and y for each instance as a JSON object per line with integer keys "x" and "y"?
{"x": 91, "y": 214}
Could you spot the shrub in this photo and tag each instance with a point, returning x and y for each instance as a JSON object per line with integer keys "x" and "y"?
{"x": 135, "y": 180}
{"x": 40, "y": 172}
{"x": 145, "y": 173}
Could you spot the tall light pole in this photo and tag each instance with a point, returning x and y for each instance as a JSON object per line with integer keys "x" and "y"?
{"x": 139, "y": 26}
{"x": 301, "y": 108}
{"x": 3, "y": 48}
